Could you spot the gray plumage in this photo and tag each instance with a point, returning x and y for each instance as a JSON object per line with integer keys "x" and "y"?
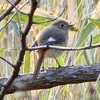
{"x": 54, "y": 34}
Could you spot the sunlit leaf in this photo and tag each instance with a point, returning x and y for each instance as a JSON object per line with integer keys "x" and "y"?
{"x": 27, "y": 63}
{"x": 80, "y": 8}
{"x": 85, "y": 32}
{"x": 96, "y": 39}
{"x": 95, "y": 22}
{"x": 61, "y": 61}
{"x": 86, "y": 57}
{"x": 2, "y": 50}
{"x": 2, "y": 34}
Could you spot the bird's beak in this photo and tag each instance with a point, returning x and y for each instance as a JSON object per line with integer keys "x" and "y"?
{"x": 70, "y": 25}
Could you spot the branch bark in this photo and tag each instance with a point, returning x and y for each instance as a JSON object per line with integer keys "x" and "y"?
{"x": 54, "y": 77}
{"x": 19, "y": 61}
{"x": 8, "y": 11}
{"x": 92, "y": 46}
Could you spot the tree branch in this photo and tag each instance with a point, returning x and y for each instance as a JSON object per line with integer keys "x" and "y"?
{"x": 18, "y": 64}
{"x": 51, "y": 19}
{"x": 7, "y": 12}
{"x": 16, "y": 7}
{"x": 54, "y": 77}
{"x": 64, "y": 48}
{"x": 7, "y": 62}
{"x": 14, "y": 14}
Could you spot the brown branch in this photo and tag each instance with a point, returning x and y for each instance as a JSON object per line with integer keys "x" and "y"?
{"x": 14, "y": 15}
{"x": 54, "y": 77}
{"x": 7, "y": 62}
{"x": 51, "y": 19}
{"x": 7, "y": 12}
{"x": 63, "y": 48}
{"x": 16, "y": 7}
{"x": 18, "y": 64}
{"x": 91, "y": 39}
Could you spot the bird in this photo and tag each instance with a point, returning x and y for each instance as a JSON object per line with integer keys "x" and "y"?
{"x": 55, "y": 34}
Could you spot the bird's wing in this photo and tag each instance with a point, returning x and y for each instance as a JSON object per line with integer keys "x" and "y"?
{"x": 50, "y": 36}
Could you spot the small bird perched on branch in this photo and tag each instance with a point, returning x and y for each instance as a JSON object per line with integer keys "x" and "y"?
{"x": 55, "y": 34}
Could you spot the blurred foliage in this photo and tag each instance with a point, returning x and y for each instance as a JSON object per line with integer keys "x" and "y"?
{"x": 87, "y": 30}
{"x": 95, "y": 22}
{"x": 27, "y": 63}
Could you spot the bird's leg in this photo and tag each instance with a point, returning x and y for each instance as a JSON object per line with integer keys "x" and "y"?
{"x": 57, "y": 62}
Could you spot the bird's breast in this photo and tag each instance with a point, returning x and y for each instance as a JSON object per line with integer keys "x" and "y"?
{"x": 53, "y": 53}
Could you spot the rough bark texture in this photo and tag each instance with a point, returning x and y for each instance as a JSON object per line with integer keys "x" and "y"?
{"x": 54, "y": 77}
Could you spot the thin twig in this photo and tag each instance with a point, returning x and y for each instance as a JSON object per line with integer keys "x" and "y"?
{"x": 91, "y": 40}
{"x": 51, "y": 19}
{"x": 14, "y": 15}
{"x": 63, "y": 48}
{"x": 20, "y": 59}
{"x": 8, "y": 11}
{"x": 16, "y": 8}
{"x": 7, "y": 62}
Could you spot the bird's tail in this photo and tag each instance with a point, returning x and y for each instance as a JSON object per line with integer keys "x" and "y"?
{"x": 38, "y": 65}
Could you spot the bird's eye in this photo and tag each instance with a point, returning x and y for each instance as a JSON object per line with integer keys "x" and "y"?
{"x": 62, "y": 25}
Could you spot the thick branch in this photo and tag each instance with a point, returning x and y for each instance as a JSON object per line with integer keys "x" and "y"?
{"x": 54, "y": 77}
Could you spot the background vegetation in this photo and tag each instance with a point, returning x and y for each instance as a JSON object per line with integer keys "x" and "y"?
{"x": 85, "y": 14}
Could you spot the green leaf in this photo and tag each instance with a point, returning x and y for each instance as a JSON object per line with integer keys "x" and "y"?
{"x": 2, "y": 50}
{"x": 39, "y": 18}
{"x": 86, "y": 57}
{"x": 61, "y": 61}
{"x": 2, "y": 34}
{"x": 27, "y": 63}
{"x": 96, "y": 39}
{"x": 95, "y": 22}
{"x": 85, "y": 32}
{"x": 80, "y": 8}
{"x": 23, "y": 17}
